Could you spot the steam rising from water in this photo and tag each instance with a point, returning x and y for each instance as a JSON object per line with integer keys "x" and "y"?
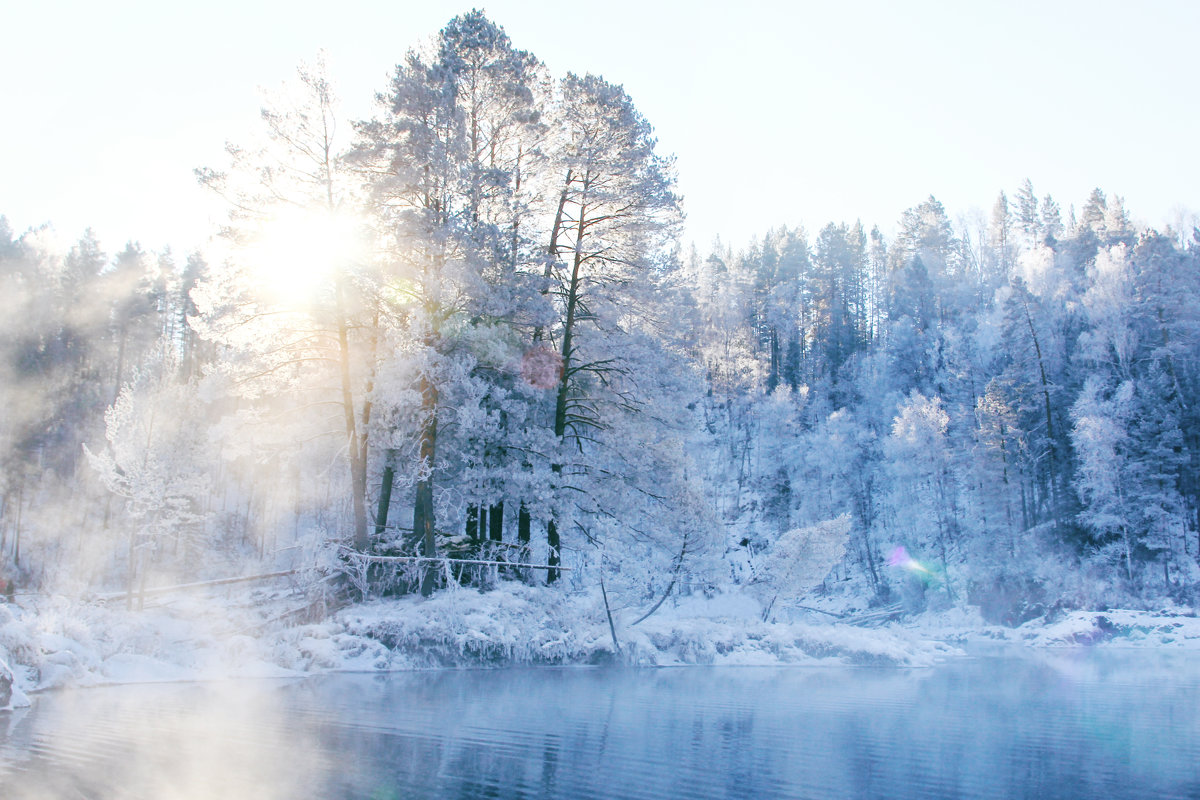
{"x": 165, "y": 742}
{"x": 1083, "y": 724}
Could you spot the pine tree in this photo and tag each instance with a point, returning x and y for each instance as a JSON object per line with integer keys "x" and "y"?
{"x": 617, "y": 209}
{"x": 1032, "y": 379}
{"x": 1052, "y": 223}
{"x": 449, "y": 165}
{"x": 1028, "y": 221}
{"x": 1095, "y": 210}
{"x": 1001, "y": 239}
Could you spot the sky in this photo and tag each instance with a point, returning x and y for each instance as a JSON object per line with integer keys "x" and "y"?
{"x": 778, "y": 113}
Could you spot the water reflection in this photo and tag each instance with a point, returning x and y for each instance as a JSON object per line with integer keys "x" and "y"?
{"x": 1067, "y": 725}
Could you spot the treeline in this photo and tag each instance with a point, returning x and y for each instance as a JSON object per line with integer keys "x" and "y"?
{"x": 1012, "y": 403}
{"x": 465, "y": 326}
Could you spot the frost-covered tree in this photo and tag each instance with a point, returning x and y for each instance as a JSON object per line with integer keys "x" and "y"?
{"x": 1028, "y": 220}
{"x": 156, "y": 458}
{"x": 136, "y": 308}
{"x": 1100, "y": 437}
{"x": 448, "y": 164}
{"x": 924, "y": 481}
{"x": 1052, "y": 222}
{"x": 1033, "y": 380}
{"x": 839, "y": 307}
{"x": 926, "y": 231}
{"x": 1001, "y": 240}
{"x": 1127, "y": 423}
{"x": 801, "y": 558}
{"x": 841, "y": 475}
{"x": 1094, "y": 214}
{"x": 725, "y": 339}
{"x": 615, "y": 217}
{"x": 293, "y": 298}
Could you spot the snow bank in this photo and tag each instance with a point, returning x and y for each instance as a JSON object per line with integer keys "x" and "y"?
{"x": 517, "y": 624}
{"x": 1115, "y": 628}
{"x": 55, "y": 643}
{"x": 513, "y": 624}
{"x": 11, "y": 694}
{"x": 52, "y": 642}
{"x": 724, "y": 642}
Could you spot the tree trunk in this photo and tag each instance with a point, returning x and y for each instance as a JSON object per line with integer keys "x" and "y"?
{"x": 552, "y": 559}
{"x": 1052, "y": 461}
{"x": 369, "y": 386}
{"x": 423, "y": 522}
{"x": 552, "y": 248}
{"x": 132, "y": 568}
{"x": 356, "y": 449}
{"x": 496, "y": 522}
{"x": 120, "y": 362}
{"x": 385, "y": 496}
{"x": 17, "y": 529}
{"x": 473, "y": 516}
{"x": 516, "y": 223}
{"x": 564, "y": 383}
{"x": 523, "y": 524}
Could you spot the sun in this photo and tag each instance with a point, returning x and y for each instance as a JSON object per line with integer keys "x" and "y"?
{"x": 298, "y": 253}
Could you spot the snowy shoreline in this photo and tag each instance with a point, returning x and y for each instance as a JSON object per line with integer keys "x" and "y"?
{"x": 54, "y": 643}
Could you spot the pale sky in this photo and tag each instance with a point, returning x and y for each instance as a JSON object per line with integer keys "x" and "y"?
{"x": 778, "y": 113}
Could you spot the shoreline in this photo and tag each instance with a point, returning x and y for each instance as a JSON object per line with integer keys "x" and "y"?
{"x": 59, "y": 643}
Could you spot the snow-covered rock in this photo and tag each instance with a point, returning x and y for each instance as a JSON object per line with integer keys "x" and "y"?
{"x": 11, "y": 695}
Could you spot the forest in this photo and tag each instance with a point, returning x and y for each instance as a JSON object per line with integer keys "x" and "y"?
{"x": 468, "y": 328}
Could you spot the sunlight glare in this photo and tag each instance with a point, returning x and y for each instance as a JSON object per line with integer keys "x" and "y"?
{"x": 299, "y": 252}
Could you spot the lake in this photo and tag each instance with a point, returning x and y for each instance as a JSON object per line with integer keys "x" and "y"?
{"x": 1070, "y": 723}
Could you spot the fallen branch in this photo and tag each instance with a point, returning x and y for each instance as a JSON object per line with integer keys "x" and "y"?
{"x": 875, "y": 616}
{"x": 819, "y": 611}
{"x": 182, "y": 587}
{"x": 670, "y": 586}
{"x": 611, "y": 627}
{"x": 418, "y": 559}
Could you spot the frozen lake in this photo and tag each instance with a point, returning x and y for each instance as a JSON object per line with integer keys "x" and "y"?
{"x": 1048, "y": 724}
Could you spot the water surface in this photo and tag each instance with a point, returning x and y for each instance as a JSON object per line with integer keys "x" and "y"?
{"x": 1064, "y": 724}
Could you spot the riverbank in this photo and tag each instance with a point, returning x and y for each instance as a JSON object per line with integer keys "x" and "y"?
{"x": 53, "y": 642}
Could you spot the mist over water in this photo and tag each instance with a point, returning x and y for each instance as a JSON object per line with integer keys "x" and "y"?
{"x": 1071, "y": 724}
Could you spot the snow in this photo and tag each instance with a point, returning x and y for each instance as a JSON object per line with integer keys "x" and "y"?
{"x": 1117, "y": 628}
{"x": 1170, "y": 628}
{"x": 51, "y": 643}
{"x": 517, "y": 624}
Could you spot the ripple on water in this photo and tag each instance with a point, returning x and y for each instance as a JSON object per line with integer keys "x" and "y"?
{"x": 1084, "y": 726}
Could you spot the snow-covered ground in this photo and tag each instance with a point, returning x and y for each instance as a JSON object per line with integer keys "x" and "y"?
{"x": 52, "y": 642}
{"x": 521, "y": 624}
{"x": 1124, "y": 628}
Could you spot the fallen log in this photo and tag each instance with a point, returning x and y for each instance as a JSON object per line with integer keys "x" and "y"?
{"x": 878, "y": 615}
{"x": 182, "y": 587}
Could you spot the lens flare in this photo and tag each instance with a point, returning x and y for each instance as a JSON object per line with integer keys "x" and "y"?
{"x": 901, "y": 558}
{"x": 541, "y": 367}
